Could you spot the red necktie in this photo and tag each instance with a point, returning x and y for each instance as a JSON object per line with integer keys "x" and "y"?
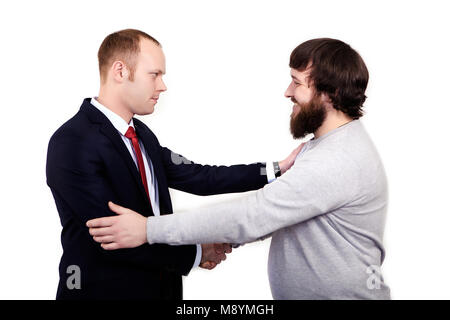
{"x": 131, "y": 134}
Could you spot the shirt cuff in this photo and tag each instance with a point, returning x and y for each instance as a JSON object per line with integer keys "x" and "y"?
{"x": 270, "y": 170}
{"x": 198, "y": 258}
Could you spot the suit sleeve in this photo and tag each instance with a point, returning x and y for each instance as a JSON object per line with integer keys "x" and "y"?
{"x": 76, "y": 177}
{"x": 185, "y": 175}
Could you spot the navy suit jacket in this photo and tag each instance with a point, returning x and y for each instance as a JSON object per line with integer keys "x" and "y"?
{"x": 88, "y": 165}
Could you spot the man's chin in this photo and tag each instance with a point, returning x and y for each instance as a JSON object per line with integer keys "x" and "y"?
{"x": 145, "y": 112}
{"x": 297, "y": 132}
{"x": 293, "y": 115}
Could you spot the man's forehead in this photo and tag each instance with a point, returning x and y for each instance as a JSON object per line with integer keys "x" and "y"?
{"x": 300, "y": 75}
{"x": 153, "y": 56}
{"x": 150, "y": 48}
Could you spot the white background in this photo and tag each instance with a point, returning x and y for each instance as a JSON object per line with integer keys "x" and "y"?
{"x": 227, "y": 70}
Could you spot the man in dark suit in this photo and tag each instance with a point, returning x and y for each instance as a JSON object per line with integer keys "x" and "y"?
{"x": 104, "y": 154}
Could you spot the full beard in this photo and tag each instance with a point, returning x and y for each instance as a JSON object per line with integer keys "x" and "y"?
{"x": 309, "y": 118}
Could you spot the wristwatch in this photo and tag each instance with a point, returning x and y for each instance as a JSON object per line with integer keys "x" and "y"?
{"x": 277, "y": 170}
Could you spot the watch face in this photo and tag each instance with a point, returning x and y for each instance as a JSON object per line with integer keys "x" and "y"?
{"x": 277, "y": 170}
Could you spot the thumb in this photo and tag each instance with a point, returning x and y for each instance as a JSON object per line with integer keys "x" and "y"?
{"x": 116, "y": 208}
{"x": 208, "y": 265}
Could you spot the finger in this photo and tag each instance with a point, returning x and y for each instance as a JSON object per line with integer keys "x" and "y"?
{"x": 218, "y": 247}
{"x": 101, "y": 222}
{"x": 118, "y": 209}
{"x": 227, "y": 248}
{"x": 104, "y": 239}
{"x": 108, "y": 231}
{"x": 110, "y": 246}
{"x": 220, "y": 257}
{"x": 215, "y": 259}
{"x": 298, "y": 149}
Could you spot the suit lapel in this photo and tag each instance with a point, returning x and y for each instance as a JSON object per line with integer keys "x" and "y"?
{"x": 109, "y": 131}
{"x": 114, "y": 136}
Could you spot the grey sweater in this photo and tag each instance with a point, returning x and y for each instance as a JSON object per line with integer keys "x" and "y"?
{"x": 326, "y": 217}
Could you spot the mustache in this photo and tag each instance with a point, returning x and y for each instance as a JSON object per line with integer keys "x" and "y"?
{"x": 293, "y": 100}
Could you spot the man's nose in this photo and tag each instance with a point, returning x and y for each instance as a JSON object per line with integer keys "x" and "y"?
{"x": 288, "y": 93}
{"x": 162, "y": 86}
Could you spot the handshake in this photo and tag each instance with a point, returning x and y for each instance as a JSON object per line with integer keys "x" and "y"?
{"x": 213, "y": 254}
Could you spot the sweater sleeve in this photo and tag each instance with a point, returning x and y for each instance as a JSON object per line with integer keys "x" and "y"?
{"x": 312, "y": 187}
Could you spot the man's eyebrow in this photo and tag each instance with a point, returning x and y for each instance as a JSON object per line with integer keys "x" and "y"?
{"x": 294, "y": 77}
{"x": 158, "y": 71}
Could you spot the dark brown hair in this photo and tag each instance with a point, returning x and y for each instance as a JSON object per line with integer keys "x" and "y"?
{"x": 336, "y": 70}
{"x": 122, "y": 45}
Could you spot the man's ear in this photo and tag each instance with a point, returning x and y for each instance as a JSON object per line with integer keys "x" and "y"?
{"x": 119, "y": 71}
{"x": 326, "y": 100}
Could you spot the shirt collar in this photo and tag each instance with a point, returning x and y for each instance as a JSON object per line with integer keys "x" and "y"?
{"x": 118, "y": 123}
{"x": 349, "y": 124}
